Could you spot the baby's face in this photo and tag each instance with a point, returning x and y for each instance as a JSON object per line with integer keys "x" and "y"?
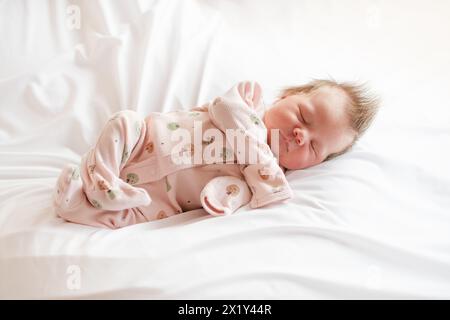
{"x": 312, "y": 126}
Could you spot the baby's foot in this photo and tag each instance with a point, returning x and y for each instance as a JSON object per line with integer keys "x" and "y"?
{"x": 68, "y": 192}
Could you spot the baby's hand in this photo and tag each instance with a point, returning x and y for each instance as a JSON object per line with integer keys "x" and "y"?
{"x": 224, "y": 195}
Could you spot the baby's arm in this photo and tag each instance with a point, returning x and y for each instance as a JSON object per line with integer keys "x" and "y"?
{"x": 267, "y": 183}
{"x": 265, "y": 177}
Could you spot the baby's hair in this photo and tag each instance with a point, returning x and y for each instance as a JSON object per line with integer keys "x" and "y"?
{"x": 361, "y": 110}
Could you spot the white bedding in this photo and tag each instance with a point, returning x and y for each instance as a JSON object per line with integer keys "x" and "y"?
{"x": 374, "y": 223}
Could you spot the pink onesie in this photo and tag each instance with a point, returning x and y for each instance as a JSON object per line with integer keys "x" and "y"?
{"x": 146, "y": 169}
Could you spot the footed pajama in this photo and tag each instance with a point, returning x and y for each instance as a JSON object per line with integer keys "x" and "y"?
{"x": 130, "y": 175}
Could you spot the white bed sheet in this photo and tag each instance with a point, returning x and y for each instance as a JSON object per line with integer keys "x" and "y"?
{"x": 374, "y": 223}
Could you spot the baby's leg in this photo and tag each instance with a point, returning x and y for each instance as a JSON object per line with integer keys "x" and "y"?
{"x": 101, "y": 166}
{"x": 71, "y": 203}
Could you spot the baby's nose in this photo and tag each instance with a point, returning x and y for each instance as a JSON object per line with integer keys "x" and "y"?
{"x": 299, "y": 137}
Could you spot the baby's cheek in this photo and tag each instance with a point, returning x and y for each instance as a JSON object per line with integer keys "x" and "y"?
{"x": 295, "y": 160}
{"x": 290, "y": 161}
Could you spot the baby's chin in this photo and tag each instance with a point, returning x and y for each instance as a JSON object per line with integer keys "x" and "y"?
{"x": 286, "y": 165}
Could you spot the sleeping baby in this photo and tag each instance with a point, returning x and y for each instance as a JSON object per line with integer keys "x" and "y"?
{"x": 221, "y": 156}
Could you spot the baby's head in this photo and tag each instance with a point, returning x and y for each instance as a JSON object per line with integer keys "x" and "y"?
{"x": 319, "y": 121}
